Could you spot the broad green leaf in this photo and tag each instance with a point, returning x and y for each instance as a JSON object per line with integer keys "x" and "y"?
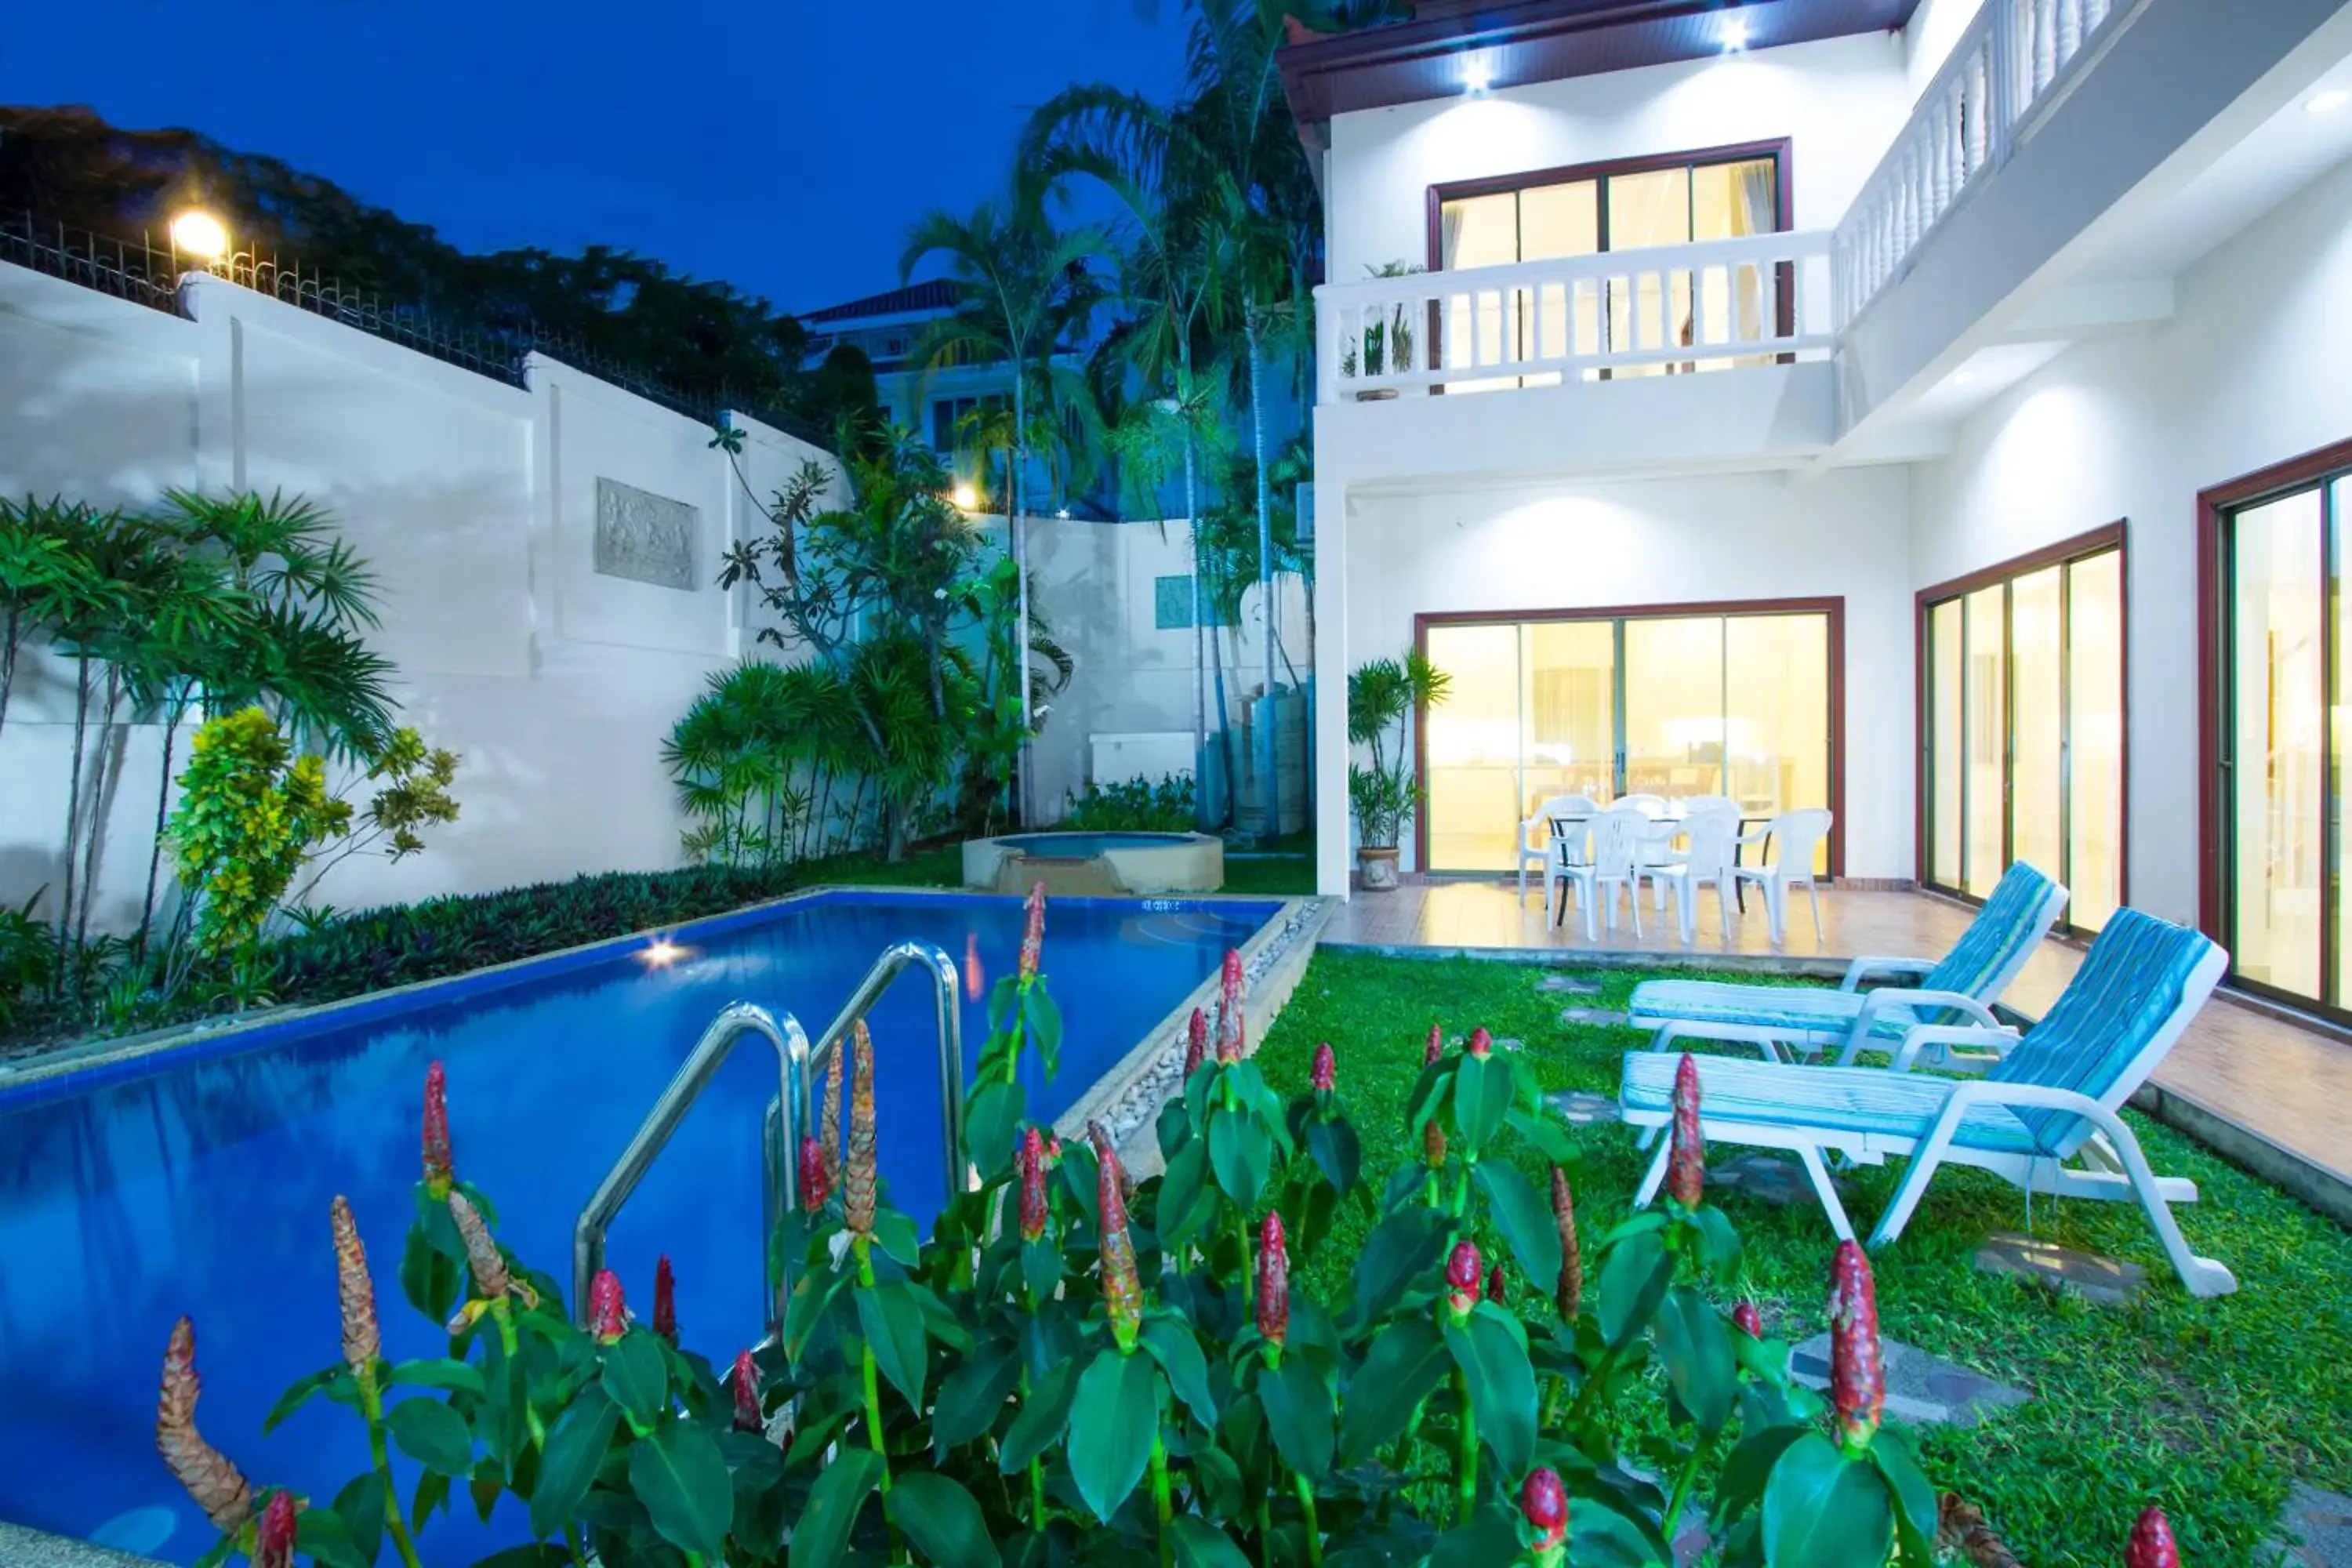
{"x": 531, "y": 1555}
{"x": 896, "y": 1235}
{"x": 1082, "y": 1180}
{"x": 1741, "y": 1483}
{"x": 1040, "y": 1267}
{"x": 821, "y": 1534}
{"x": 1482, "y": 1098}
{"x": 1200, "y": 1545}
{"x": 1549, "y": 1137}
{"x": 634, "y": 1375}
{"x": 1913, "y": 1494}
{"x": 576, "y": 1446}
{"x": 1403, "y": 1248}
{"x": 1044, "y": 1417}
{"x": 1298, "y": 1414}
{"x": 1428, "y": 1095}
{"x": 1483, "y": 1543}
{"x": 1186, "y": 1200}
{"x": 681, "y": 1478}
{"x": 1044, "y": 1020}
{"x": 1336, "y": 1152}
{"x": 892, "y": 1321}
{"x": 1524, "y": 1219}
{"x": 1116, "y": 1416}
{"x": 1719, "y": 1243}
{"x": 1405, "y": 1366}
{"x": 360, "y": 1504}
{"x": 1241, "y": 1155}
{"x": 1170, "y": 1341}
{"x": 1822, "y": 1510}
{"x": 300, "y": 1393}
{"x": 438, "y": 1372}
{"x": 433, "y": 1434}
{"x": 991, "y": 1121}
{"x": 1695, "y": 1346}
{"x": 972, "y": 1397}
{"x": 1634, "y": 1275}
{"x": 940, "y": 1518}
{"x": 813, "y": 1292}
{"x": 1603, "y": 1537}
{"x": 1494, "y": 1361}
{"x": 320, "y": 1534}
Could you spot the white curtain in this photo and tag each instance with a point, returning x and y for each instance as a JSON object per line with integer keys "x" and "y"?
{"x": 1759, "y": 212}
{"x": 1449, "y": 250}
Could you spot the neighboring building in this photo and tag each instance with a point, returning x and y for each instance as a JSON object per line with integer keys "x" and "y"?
{"x": 1933, "y": 411}
{"x": 889, "y": 327}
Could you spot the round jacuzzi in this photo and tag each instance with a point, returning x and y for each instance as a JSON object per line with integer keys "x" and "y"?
{"x": 1097, "y": 862}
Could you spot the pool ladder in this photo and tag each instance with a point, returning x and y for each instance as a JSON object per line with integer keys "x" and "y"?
{"x": 797, "y": 1066}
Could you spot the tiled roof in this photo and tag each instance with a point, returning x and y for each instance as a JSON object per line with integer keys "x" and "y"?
{"x": 937, "y": 294}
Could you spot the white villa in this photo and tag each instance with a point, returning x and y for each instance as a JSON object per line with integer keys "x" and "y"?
{"x": 1935, "y": 412}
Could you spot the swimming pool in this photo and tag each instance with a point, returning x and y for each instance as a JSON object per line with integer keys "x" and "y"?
{"x": 198, "y": 1181}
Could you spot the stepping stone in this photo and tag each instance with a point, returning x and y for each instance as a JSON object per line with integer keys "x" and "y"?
{"x": 1578, "y": 1108}
{"x": 2104, "y": 1282}
{"x": 1773, "y": 1180}
{"x": 1922, "y": 1389}
{"x": 1601, "y": 1017}
{"x": 2323, "y": 1523}
{"x": 1569, "y": 985}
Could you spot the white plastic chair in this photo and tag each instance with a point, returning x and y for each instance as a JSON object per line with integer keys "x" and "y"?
{"x": 1795, "y": 835}
{"x": 1535, "y": 845}
{"x": 1617, "y": 838}
{"x": 1711, "y": 831}
{"x": 1694, "y": 805}
{"x": 1647, "y": 805}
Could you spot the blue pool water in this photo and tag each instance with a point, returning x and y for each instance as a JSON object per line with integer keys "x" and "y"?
{"x": 199, "y": 1182}
{"x": 1087, "y": 846}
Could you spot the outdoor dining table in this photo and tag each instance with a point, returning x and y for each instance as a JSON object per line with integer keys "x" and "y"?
{"x": 1665, "y": 826}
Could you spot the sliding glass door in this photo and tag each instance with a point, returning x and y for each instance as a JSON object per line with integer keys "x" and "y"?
{"x": 2284, "y": 637}
{"x": 2020, "y": 725}
{"x": 1738, "y": 703}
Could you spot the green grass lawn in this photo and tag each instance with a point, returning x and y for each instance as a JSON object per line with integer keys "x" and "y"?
{"x": 2210, "y": 1408}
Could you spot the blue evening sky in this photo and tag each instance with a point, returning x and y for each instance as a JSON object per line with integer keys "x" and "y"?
{"x": 783, "y": 145}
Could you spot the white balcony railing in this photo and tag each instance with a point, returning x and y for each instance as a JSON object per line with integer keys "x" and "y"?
{"x": 1714, "y": 305}
{"x": 2017, "y": 56}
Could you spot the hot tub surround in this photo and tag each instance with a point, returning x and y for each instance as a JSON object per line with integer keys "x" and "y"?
{"x": 1096, "y": 863}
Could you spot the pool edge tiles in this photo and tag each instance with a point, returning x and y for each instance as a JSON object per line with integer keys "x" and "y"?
{"x": 1127, "y": 1098}
{"x": 94, "y": 1064}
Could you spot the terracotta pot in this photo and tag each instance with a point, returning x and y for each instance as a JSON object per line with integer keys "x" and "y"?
{"x": 1377, "y": 868}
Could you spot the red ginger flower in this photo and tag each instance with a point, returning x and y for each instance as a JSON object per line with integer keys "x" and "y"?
{"x": 493, "y": 1281}
{"x": 1482, "y": 1044}
{"x": 1032, "y": 932}
{"x": 1229, "y": 1008}
{"x": 273, "y": 1538}
{"x": 1325, "y": 1073}
{"x": 1196, "y": 1042}
{"x": 974, "y": 982}
{"x": 1462, "y": 1272}
{"x": 1686, "y": 1165}
{"x": 1433, "y": 1136}
{"x": 1857, "y": 1370}
{"x": 217, "y": 1485}
{"x": 816, "y": 1179}
{"x": 1570, "y": 1293}
{"x": 859, "y": 1182}
{"x": 2151, "y": 1544}
{"x": 746, "y": 1395}
{"x": 1436, "y": 1049}
{"x": 363, "y": 1339}
{"x": 1106, "y": 1151}
{"x": 1273, "y": 1281}
{"x": 439, "y": 1169}
{"x": 1033, "y": 1185}
{"x": 828, "y": 1123}
{"x": 1748, "y": 1319}
{"x": 608, "y": 1313}
{"x": 1498, "y": 1284}
{"x": 665, "y": 1299}
{"x": 1543, "y": 1503}
{"x": 1122, "y": 1289}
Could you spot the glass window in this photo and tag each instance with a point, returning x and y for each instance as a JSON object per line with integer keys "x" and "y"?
{"x": 1674, "y": 706}
{"x": 2022, "y": 730}
{"x": 2278, "y": 703}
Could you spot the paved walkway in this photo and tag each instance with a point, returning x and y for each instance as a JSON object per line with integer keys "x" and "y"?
{"x": 2255, "y": 1084}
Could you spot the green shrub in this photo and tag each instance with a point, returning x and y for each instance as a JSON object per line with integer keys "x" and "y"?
{"x": 1135, "y": 805}
{"x": 250, "y": 812}
{"x": 28, "y": 956}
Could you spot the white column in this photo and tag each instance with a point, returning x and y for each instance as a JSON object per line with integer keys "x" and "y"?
{"x": 1334, "y": 834}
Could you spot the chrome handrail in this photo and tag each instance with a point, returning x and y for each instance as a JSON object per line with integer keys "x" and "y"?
{"x": 798, "y": 1063}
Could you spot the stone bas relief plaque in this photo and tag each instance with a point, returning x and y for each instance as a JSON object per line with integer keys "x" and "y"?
{"x": 644, "y": 537}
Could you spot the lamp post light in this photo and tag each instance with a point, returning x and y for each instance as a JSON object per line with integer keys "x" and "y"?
{"x": 198, "y": 235}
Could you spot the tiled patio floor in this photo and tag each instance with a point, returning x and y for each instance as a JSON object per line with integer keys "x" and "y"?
{"x": 2289, "y": 1086}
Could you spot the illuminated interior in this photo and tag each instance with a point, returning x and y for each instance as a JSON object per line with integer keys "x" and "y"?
{"x": 2024, "y": 733}
{"x": 1672, "y": 706}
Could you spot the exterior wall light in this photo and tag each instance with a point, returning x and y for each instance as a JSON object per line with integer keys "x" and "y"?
{"x": 1477, "y": 76}
{"x": 2328, "y": 102}
{"x": 1735, "y": 35}
{"x": 198, "y": 235}
{"x": 964, "y": 496}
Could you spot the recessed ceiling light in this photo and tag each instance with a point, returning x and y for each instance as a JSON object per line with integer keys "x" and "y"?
{"x": 1477, "y": 77}
{"x": 2328, "y": 102}
{"x": 1735, "y": 35}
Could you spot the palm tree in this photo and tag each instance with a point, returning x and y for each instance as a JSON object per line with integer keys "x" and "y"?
{"x": 1025, "y": 291}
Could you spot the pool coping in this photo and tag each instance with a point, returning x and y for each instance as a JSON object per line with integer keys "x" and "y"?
{"x": 107, "y": 1060}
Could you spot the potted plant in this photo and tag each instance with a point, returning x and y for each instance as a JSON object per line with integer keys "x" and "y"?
{"x": 1382, "y": 696}
{"x": 1387, "y": 338}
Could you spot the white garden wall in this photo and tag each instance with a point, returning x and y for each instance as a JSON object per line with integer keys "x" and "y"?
{"x": 476, "y": 502}
{"x": 2248, "y": 373}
